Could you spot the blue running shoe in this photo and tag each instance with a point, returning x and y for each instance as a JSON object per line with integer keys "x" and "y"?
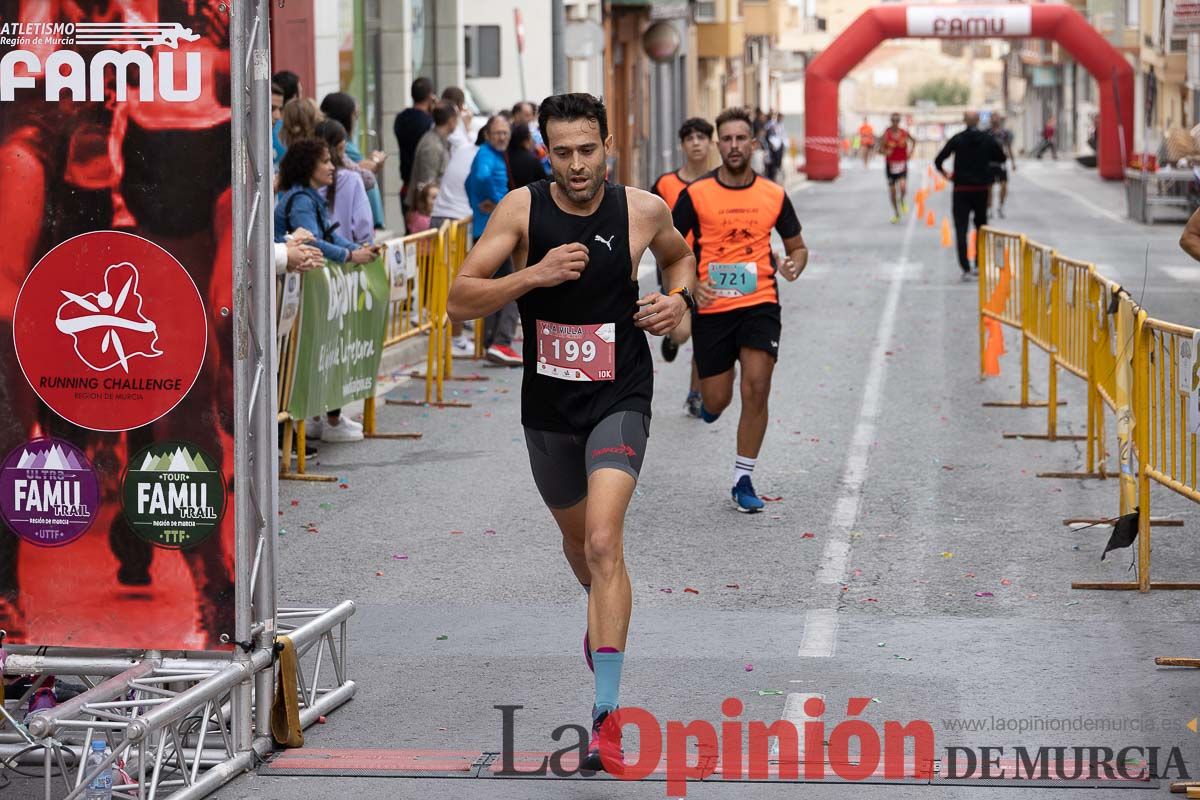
{"x": 745, "y": 498}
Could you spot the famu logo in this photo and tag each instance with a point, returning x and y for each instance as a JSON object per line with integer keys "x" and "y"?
{"x": 49, "y": 494}
{"x": 173, "y": 494}
{"x": 65, "y": 69}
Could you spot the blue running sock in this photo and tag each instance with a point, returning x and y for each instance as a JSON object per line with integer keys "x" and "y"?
{"x": 708, "y": 416}
{"x": 608, "y": 677}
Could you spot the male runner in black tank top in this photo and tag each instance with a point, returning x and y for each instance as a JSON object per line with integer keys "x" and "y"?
{"x": 585, "y": 396}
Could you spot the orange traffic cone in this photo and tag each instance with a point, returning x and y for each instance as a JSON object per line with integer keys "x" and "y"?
{"x": 930, "y": 220}
{"x": 947, "y": 241}
{"x": 929, "y": 169}
{"x": 920, "y": 209}
{"x": 971, "y": 245}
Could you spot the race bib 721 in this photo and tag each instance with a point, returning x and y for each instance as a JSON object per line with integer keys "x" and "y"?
{"x": 733, "y": 280}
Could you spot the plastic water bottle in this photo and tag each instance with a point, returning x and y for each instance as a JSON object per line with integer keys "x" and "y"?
{"x": 100, "y": 787}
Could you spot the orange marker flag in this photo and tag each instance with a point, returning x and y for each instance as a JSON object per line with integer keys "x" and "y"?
{"x": 994, "y": 346}
{"x": 971, "y": 245}
{"x": 929, "y": 169}
{"x": 930, "y": 220}
{"x": 947, "y": 240}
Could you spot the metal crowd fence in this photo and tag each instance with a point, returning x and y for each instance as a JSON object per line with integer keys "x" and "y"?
{"x": 422, "y": 267}
{"x": 1139, "y": 369}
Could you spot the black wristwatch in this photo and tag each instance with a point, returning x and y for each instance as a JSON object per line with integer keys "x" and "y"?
{"x": 686, "y": 295}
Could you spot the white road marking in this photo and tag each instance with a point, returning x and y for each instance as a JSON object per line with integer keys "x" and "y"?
{"x": 820, "y": 633}
{"x": 1078, "y": 198}
{"x": 1184, "y": 274}
{"x": 793, "y": 712}
{"x": 845, "y": 512}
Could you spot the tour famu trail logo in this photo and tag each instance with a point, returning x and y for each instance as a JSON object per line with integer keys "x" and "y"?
{"x": 108, "y": 327}
{"x": 173, "y": 494}
{"x": 49, "y": 494}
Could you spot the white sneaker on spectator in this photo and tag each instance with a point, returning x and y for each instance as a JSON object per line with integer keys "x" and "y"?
{"x": 462, "y": 347}
{"x": 341, "y": 432}
{"x": 354, "y": 426}
{"x": 313, "y": 427}
{"x": 503, "y": 354}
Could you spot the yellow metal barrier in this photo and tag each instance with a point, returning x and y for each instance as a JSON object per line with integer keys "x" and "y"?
{"x": 409, "y": 313}
{"x": 1134, "y": 366}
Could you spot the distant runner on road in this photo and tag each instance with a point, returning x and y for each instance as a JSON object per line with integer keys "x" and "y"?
{"x": 731, "y": 213}
{"x": 866, "y": 141}
{"x": 585, "y": 397}
{"x": 695, "y": 138}
{"x": 1004, "y": 138}
{"x": 897, "y": 146}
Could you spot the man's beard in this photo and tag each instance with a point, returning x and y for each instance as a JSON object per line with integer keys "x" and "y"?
{"x": 580, "y": 196}
{"x": 742, "y": 169}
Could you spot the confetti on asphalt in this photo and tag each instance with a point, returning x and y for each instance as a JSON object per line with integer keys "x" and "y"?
{"x": 443, "y": 637}
{"x": 667, "y": 590}
{"x": 770, "y": 499}
{"x": 970, "y": 574}
{"x": 948, "y": 468}
{"x": 1005, "y": 582}
{"x": 311, "y": 528}
{"x": 899, "y": 657}
{"x": 295, "y": 503}
{"x": 1072, "y": 602}
{"x": 984, "y": 594}
{"x": 868, "y": 600}
{"x": 378, "y": 574}
{"x": 690, "y": 590}
{"x": 489, "y": 532}
{"x": 283, "y": 531}
{"x": 947, "y": 554}
{"x": 882, "y": 644}
{"x": 749, "y": 668}
{"x": 343, "y": 486}
{"x": 399, "y": 556}
{"x": 732, "y": 586}
{"x": 1032, "y": 596}
{"x": 808, "y": 535}
{"x": 326, "y": 506}
{"x": 455, "y": 533}
{"x": 858, "y": 573}
{"x": 876, "y": 700}
{"x": 769, "y": 692}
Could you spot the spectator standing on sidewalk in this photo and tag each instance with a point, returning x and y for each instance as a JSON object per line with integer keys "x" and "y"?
{"x": 306, "y": 168}
{"x": 344, "y": 108}
{"x": 974, "y": 152}
{"x": 452, "y": 202}
{"x": 486, "y": 186}
{"x": 346, "y": 198}
{"x": 410, "y": 125}
{"x": 432, "y": 155}
{"x": 524, "y": 166}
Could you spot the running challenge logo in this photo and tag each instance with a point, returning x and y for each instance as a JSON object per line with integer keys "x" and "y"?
{"x": 110, "y": 331}
{"x": 49, "y": 50}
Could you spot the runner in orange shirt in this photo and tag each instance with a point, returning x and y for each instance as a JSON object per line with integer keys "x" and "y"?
{"x": 897, "y": 145}
{"x": 695, "y": 138}
{"x": 730, "y": 213}
{"x": 866, "y": 141}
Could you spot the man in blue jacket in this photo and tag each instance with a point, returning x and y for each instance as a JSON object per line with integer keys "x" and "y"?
{"x": 486, "y": 186}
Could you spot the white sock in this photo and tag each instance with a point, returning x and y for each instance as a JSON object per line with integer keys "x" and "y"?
{"x": 743, "y": 465}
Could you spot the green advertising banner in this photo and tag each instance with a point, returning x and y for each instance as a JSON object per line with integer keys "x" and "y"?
{"x": 343, "y": 313}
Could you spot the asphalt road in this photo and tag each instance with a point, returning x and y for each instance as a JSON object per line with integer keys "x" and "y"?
{"x": 936, "y": 579}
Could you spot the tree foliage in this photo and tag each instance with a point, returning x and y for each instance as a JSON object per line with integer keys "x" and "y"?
{"x": 940, "y": 91}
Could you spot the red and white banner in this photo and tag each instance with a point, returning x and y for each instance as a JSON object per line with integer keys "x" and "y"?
{"x": 969, "y": 21}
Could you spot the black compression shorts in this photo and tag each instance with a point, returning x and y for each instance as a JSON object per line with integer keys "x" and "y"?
{"x": 562, "y": 462}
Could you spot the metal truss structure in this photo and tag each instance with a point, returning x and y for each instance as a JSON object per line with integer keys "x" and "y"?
{"x": 181, "y": 725}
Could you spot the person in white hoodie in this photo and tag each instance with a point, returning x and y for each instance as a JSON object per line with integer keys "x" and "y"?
{"x": 452, "y": 203}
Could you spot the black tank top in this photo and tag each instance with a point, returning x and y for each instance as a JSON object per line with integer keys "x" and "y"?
{"x": 566, "y": 338}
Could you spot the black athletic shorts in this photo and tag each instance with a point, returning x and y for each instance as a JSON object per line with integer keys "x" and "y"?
{"x": 562, "y": 462}
{"x": 1000, "y": 174}
{"x": 717, "y": 339}
{"x": 893, "y": 177}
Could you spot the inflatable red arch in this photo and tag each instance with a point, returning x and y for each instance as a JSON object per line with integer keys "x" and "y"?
{"x": 1060, "y": 23}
